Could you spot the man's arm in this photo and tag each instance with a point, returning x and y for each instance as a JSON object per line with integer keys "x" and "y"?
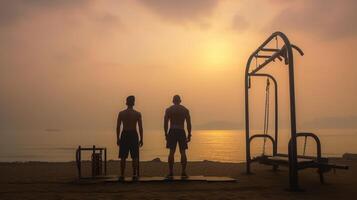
{"x": 118, "y": 129}
{"x": 166, "y": 122}
{"x": 141, "y": 131}
{"x": 189, "y": 126}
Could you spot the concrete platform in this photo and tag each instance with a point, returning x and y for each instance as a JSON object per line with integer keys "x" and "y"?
{"x": 115, "y": 179}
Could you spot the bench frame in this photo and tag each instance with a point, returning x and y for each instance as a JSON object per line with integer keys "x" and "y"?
{"x": 102, "y": 151}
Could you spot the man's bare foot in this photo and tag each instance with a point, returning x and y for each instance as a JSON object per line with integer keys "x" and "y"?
{"x": 121, "y": 178}
{"x": 135, "y": 177}
{"x": 170, "y": 176}
{"x": 184, "y": 175}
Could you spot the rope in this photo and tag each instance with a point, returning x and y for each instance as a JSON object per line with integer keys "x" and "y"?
{"x": 304, "y": 146}
{"x": 266, "y": 114}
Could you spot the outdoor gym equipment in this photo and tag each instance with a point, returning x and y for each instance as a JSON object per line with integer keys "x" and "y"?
{"x": 98, "y": 159}
{"x": 294, "y": 161}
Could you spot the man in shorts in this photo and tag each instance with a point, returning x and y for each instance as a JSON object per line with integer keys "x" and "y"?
{"x": 128, "y": 140}
{"x": 177, "y": 114}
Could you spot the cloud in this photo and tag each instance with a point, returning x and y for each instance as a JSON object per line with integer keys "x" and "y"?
{"x": 63, "y": 12}
{"x": 329, "y": 19}
{"x": 182, "y": 11}
{"x": 239, "y": 23}
{"x": 53, "y": 37}
{"x": 13, "y": 10}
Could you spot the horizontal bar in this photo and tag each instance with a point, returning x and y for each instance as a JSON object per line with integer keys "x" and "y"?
{"x": 300, "y": 156}
{"x": 269, "y": 39}
{"x": 273, "y": 57}
{"x": 270, "y": 50}
{"x": 262, "y": 56}
{"x": 338, "y": 166}
{"x": 91, "y": 149}
{"x": 262, "y": 136}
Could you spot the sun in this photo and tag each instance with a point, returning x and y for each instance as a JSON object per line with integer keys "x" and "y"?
{"x": 217, "y": 54}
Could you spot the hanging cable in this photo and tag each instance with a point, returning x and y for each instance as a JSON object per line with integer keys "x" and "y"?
{"x": 266, "y": 113}
{"x": 304, "y": 151}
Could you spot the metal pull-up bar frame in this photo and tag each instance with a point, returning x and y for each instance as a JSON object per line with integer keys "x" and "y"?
{"x": 286, "y": 53}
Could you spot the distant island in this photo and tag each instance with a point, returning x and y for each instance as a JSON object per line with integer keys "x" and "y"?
{"x": 332, "y": 122}
{"x": 53, "y": 130}
{"x": 345, "y": 122}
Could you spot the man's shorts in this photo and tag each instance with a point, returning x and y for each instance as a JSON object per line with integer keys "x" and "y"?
{"x": 176, "y": 136}
{"x": 129, "y": 142}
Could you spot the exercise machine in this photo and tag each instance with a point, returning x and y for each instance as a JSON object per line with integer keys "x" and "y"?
{"x": 295, "y": 162}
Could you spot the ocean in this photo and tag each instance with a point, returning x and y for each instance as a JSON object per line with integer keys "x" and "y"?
{"x": 214, "y": 145}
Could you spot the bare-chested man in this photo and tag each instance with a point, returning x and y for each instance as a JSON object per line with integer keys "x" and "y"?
{"x": 128, "y": 140}
{"x": 177, "y": 114}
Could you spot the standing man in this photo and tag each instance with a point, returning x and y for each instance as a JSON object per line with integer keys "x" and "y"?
{"x": 128, "y": 140}
{"x": 177, "y": 114}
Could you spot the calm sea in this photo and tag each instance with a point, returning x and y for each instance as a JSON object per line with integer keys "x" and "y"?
{"x": 215, "y": 145}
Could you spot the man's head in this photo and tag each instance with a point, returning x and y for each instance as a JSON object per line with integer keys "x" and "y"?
{"x": 130, "y": 101}
{"x": 176, "y": 99}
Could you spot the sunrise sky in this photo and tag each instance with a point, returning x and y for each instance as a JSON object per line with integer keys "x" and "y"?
{"x": 70, "y": 64}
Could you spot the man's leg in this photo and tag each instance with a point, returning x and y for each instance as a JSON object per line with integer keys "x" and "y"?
{"x": 183, "y": 161}
{"x": 134, "y": 152}
{"x": 171, "y": 160}
{"x": 122, "y": 166}
{"x": 135, "y": 166}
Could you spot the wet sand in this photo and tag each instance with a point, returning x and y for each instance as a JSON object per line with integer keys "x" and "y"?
{"x": 39, "y": 180}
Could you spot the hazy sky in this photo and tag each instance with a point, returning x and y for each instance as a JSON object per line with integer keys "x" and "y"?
{"x": 70, "y": 64}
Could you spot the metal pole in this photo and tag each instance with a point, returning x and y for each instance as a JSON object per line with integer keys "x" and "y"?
{"x": 247, "y": 140}
{"x": 79, "y": 162}
{"x": 93, "y": 162}
{"x": 276, "y": 116}
{"x": 100, "y": 163}
{"x": 105, "y": 161}
{"x": 293, "y": 164}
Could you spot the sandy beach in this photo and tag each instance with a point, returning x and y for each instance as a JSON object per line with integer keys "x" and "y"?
{"x": 210, "y": 83}
{"x": 41, "y": 180}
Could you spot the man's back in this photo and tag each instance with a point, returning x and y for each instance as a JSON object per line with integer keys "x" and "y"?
{"x": 129, "y": 118}
{"x": 127, "y": 139}
{"x": 177, "y": 114}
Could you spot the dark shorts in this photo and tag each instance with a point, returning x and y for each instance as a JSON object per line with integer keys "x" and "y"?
{"x": 129, "y": 142}
{"x": 176, "y": 136}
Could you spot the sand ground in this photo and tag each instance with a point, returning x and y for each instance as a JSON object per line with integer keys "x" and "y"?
{"x": 35, "y": 180}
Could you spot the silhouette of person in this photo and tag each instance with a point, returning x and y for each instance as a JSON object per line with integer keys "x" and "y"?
{"x": 128, "y": 140}
{"x": 177, "y": 114}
